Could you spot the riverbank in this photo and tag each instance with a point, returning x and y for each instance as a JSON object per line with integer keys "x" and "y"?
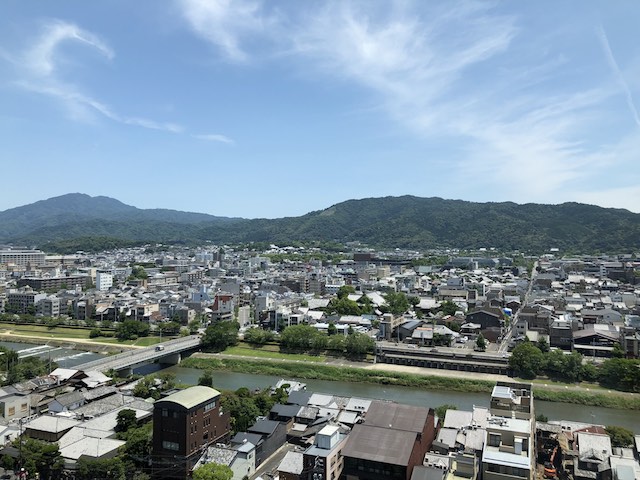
{"x": 428, "y": 379}
{"x": 89, "y": 345}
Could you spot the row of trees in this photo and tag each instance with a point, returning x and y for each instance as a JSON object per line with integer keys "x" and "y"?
{"x": 529, "y": 360}
{"x": 307, "y": 338}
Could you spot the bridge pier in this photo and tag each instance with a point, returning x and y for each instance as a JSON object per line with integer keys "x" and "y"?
{"x": 124, "y": 372}
{"x": 174, "y": 359}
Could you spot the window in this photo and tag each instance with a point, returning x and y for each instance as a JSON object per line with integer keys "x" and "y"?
{"x": 170, "y": 445}
{"x": 494, "y": 440}
{"x": 165, "y": 412}
{"x": 23, "y": 407}
{"x": 210, "y": 406}
{"x": 12, "y": 411}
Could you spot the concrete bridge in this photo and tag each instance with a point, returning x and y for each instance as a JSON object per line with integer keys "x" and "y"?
{"x": 169, "y": 352}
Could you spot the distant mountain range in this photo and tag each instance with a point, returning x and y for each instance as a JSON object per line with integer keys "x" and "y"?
{"x": 64, "y": 222}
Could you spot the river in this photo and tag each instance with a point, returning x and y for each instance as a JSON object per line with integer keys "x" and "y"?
{"x": 70, "y": 357}
{"x": 65, "y": 357}
{"x": 413, "y": 396}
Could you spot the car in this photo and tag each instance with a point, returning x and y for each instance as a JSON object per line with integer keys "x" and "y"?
{"x": 434, "y": 350}
{"x": 159, "y": 348}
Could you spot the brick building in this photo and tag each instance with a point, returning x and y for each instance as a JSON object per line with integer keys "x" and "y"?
{"x": 184, "y": 425}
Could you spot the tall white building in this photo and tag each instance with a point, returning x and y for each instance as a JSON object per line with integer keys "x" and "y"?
{"x": 104, "y": 281}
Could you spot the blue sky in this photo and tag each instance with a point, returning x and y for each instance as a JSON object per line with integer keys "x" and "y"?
{"x": 271, "y": 109}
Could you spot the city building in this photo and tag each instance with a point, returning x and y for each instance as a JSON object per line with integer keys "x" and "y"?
{"x": 104, "y": 281}
{"x": 22, "y": 258}
{"x": 509, "y": 452}
{"x": 185, "y": 423}
{"x": 393, "y": 439}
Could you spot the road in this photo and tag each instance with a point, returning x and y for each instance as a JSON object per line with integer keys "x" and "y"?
{"x": 142, "y": 355}
{"x": 504, "y": 345}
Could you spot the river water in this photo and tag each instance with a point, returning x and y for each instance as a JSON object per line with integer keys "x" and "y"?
{"x": 412, "y": 396}
{"x": 70, "y": 357}
{"x": 65, "y": 357}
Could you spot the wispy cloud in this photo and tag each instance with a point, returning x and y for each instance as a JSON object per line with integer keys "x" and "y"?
{"x": 227, "y": 24}
{"x": 214, "y": 137}
{"x": 41, "y": 74}
{"x": 611, "y": 60}
{"x": 41, "y": 57}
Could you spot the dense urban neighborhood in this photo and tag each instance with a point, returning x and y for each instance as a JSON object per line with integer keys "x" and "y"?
{"x": 472, "y": 313}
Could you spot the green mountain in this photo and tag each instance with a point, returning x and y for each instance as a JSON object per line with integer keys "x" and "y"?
{"x": 389, "y": 222}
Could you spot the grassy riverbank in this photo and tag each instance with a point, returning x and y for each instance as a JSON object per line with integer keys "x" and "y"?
{"x": 344, "y": 374}
{"x": 352, "y": 374}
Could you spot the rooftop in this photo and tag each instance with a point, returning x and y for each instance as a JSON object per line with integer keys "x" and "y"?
{"x": 192, "y": 396}
{"x": 380, "y": 444}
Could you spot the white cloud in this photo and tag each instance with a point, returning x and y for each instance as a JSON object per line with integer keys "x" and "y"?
{"x": 42, "y": 65}
{"x": 41, "y": 57}
{"x": 214, "y": 137}
{"x": 611, "y": 60}
{"x": 438, "y": 72}
{"x": 227, "y": 23}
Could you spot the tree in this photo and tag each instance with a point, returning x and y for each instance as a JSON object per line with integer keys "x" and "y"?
{"x": 332, "y": 329}
{"x": 621, "y": 374}
{"x": 441, "y": 411}
{"x": 414, "y": 301}
{"x": 298, "y": 337}
{"x": 543, "y": 345}
{"x": 448, "y": 307}
{"x": 526, "y": 360}
{"x": 359, "y": 344}
{"x": 343, "y": 306}
{"x": 345, "y": 291}
{"x": 336, "y": 343}
{"x": 617, "y": 351}
{"x": 125, "y": 420}
{"x": 243, "y": 410}
{"x": 481, "y": 343}
{"x": 396, "y": 302}
{"x": 206, "y": 379}
{"x": 107, "y": 469}
{"x": 620, "y": 436}
{"x": 170, "y": 328}
{"x": 41, "y": 457}
{"x": 132, "y": 329}
{"x": 212, "y": 471}
{"x": 220, "y": 335}
{"x": 95, "y": 332}
{"x": 138, "y": 443}
{"x": 193, "y": 326}
{"x": 258, "y": 336}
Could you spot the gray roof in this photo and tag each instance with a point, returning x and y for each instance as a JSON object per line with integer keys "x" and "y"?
{"x": 292, "y": 463}
{"x": 69, "y": 399}
{"x": 379, "y": 444}
{"x": 396, "y": 416}
{"x": 52, "y": 424}
{"x": 299, "y": 398}
{"x": 285, "y": 410}
{"x": 240, "y": 437}
{"x": 264, "y": 426}
{"x": 457, "y": 418}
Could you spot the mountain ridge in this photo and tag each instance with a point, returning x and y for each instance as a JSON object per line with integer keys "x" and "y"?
{"x": 405, "y": 221}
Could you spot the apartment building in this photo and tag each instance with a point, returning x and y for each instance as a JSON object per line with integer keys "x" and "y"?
{"x": 185, "y": 423}
{"x": 509, "y": 453}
